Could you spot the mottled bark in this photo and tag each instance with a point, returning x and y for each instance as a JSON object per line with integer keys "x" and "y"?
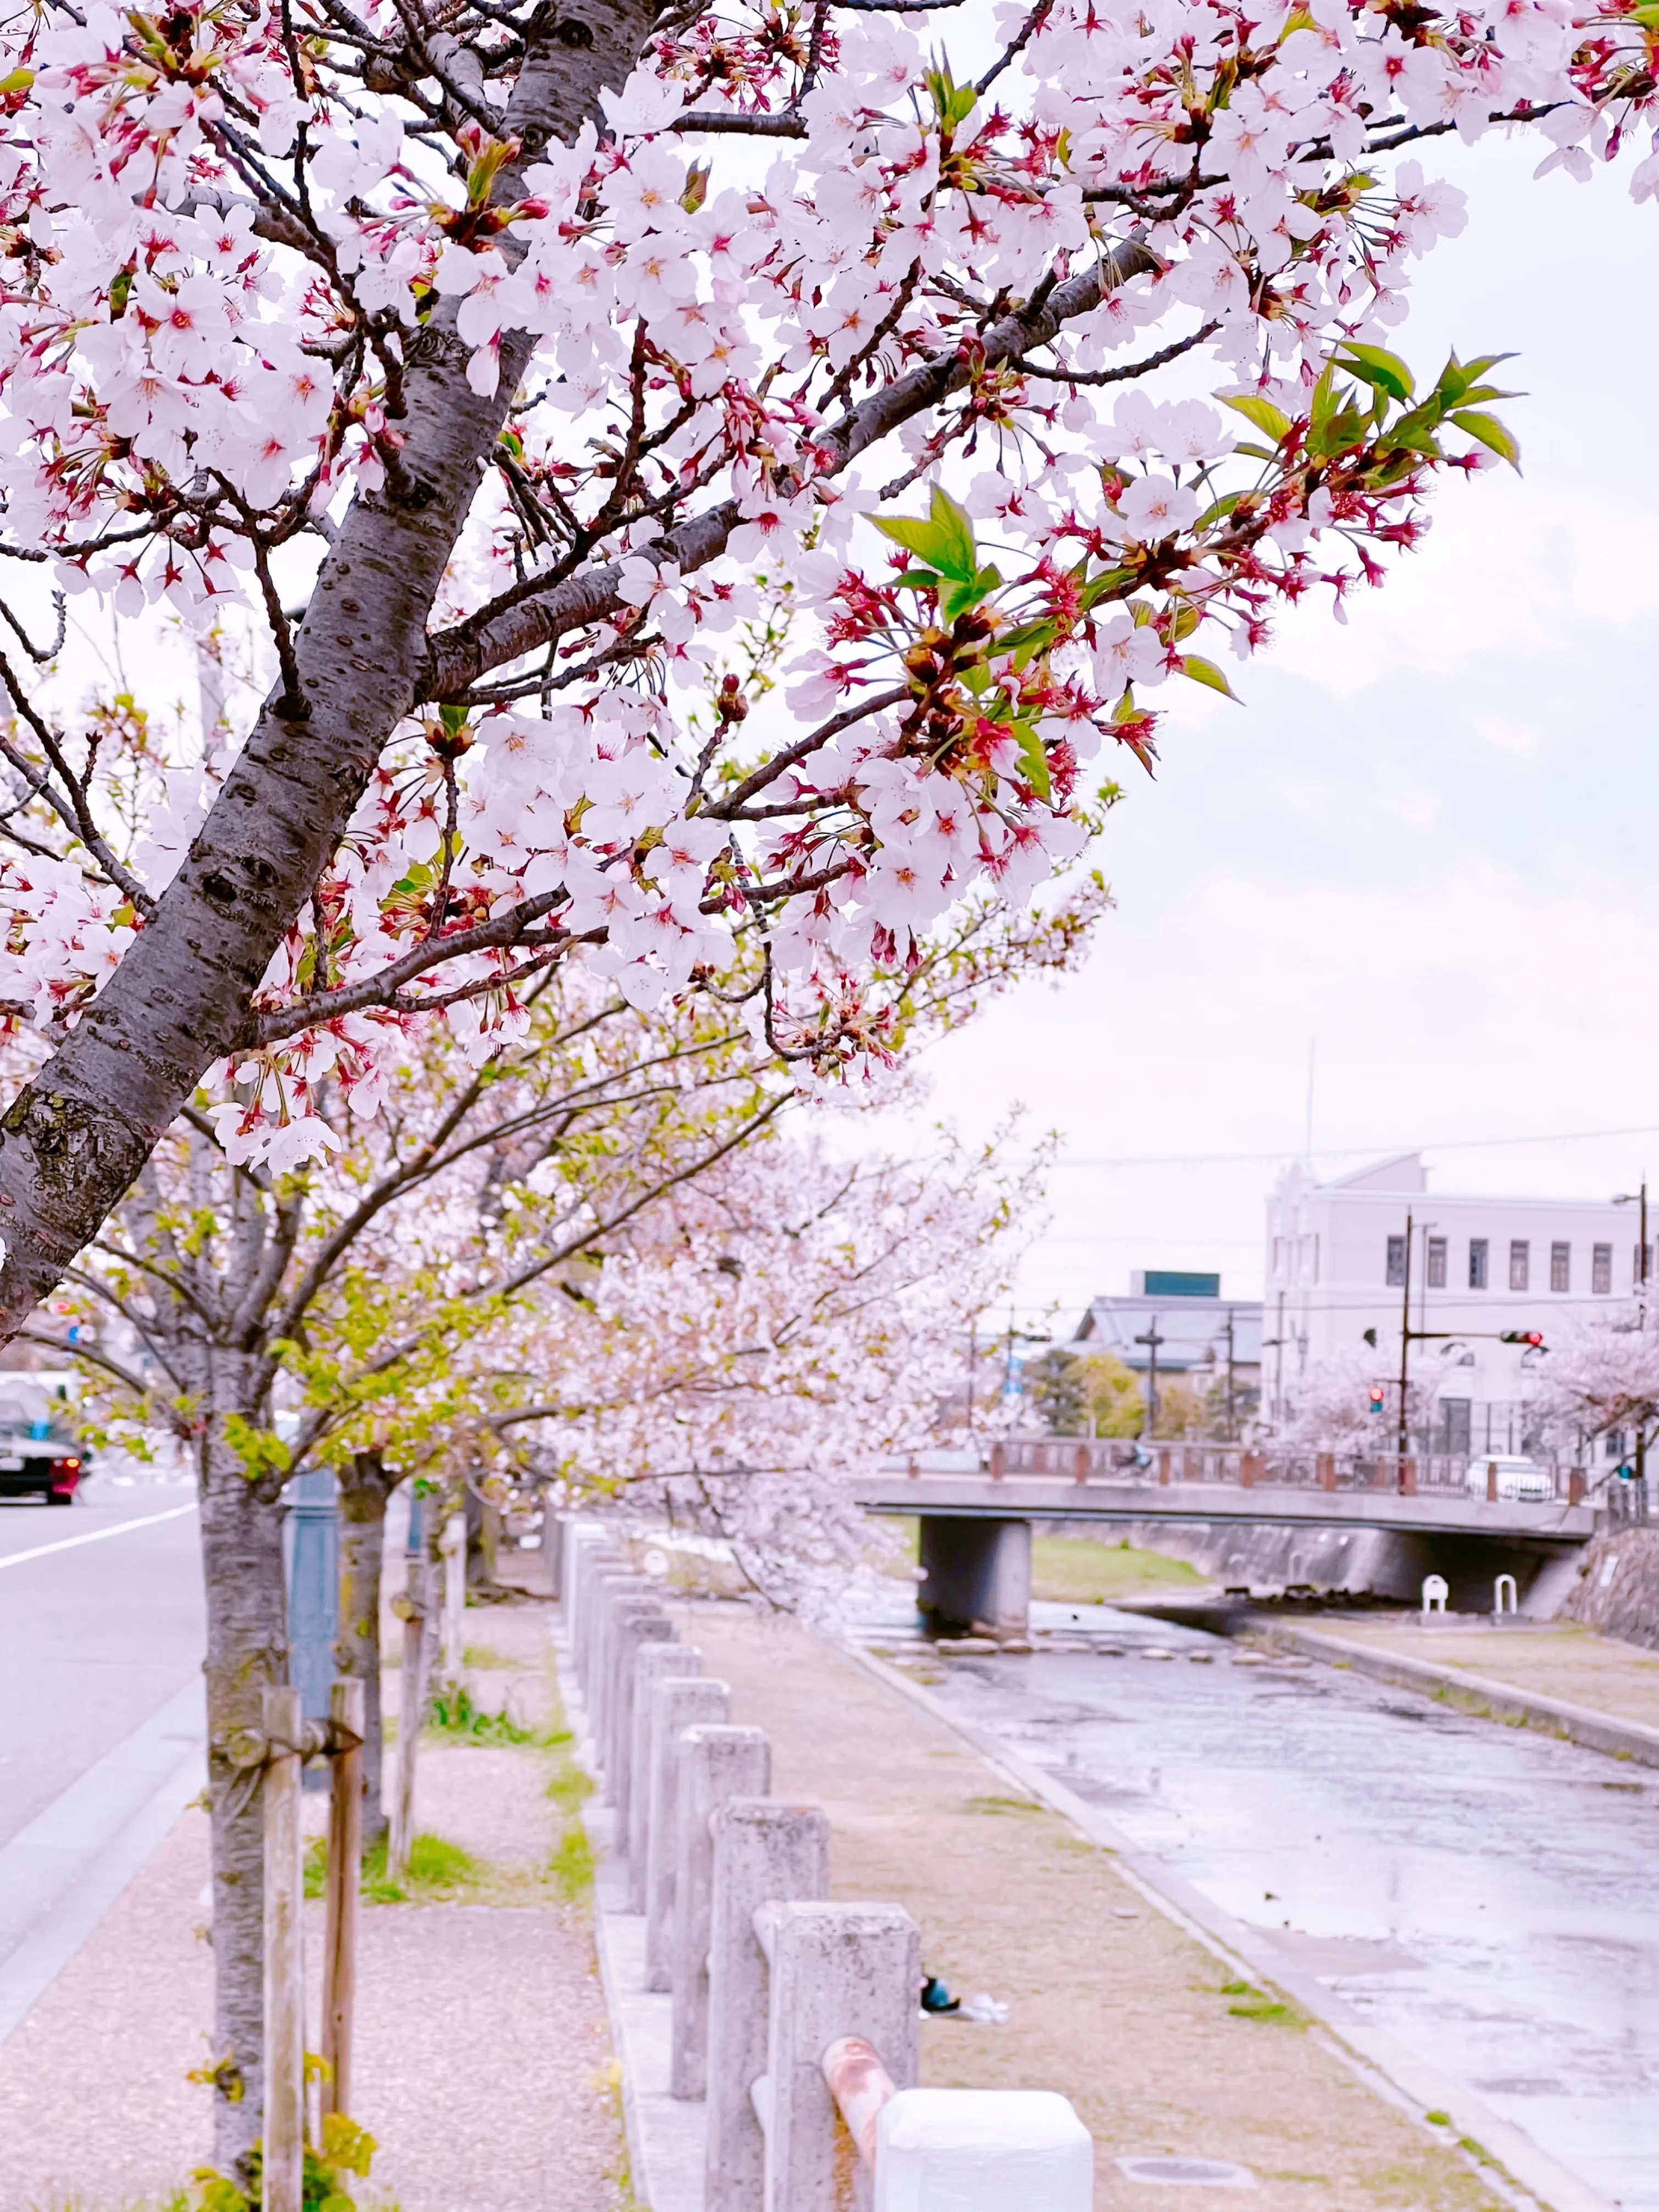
{"x": 75, "y": 1139}
{"x": 365, "y": 1486}
{"x": 247, "y": 1650}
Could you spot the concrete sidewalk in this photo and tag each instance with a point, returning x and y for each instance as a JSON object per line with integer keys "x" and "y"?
{"x": 1158, "y": 2044}
{"x": 484, "y": 2057}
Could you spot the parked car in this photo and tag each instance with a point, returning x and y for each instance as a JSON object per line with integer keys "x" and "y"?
{"x": 1517, "y": 1478}
{"x": 38, "y": 1457}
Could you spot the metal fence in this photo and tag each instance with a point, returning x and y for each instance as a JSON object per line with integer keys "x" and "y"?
{"x": 1127, "y": 1462}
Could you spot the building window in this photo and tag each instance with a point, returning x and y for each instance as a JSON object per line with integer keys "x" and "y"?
{"x": 1518, "y": 1267}
{"x": 1600, "y": 1270}
{"x": 1454, "y": 1427}
{"x": 1397, "y": 1275}
{"x": 1478, "y": 1263}
{"x": 1560, "y": 1267}
{"x": 1436, "y": 1263}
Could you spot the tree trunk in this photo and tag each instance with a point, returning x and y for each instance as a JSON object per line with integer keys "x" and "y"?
{"x": 246, "y": 1651}
{"x": 75, "y": 1139}
{"x": 365, "y": 1486}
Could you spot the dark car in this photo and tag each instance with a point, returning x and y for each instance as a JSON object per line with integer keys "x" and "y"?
{"x": 38, "y": 1457}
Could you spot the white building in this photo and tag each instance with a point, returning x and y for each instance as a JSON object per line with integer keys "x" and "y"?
{"x": 1336, "y": 1266}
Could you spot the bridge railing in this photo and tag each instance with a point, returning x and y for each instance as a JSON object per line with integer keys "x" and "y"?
{"x": 1104, "y": 1461}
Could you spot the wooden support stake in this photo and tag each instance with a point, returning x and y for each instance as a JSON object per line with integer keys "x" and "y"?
{"x": 345, "y": 1870}
{"x": 452, "y": 1544}
{"x": 411, "y": 1714}
{"x": 284, "y": 2009}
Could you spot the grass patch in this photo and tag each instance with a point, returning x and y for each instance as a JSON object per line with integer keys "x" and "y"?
{"x": 482, "y": 1657}
{"x": 1256, "y": 2004}
{"x": 999, "y": 1805}
{"x": 1072, "y": 1570}
{"x": 438, "y": 1872}
{"x": 456, "y": 1719}
{"x": 568, "y": 1785}
{"x": 571, "y": 1866}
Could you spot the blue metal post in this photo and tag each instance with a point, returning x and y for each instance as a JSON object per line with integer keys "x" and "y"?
{"x": 312, "y": 1550}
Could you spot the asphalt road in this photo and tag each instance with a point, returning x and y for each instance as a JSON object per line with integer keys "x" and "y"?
{"x": 95, "y": 1638}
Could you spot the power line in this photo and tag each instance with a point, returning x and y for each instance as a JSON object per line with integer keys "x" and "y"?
{"x": 1352, "y": 1151}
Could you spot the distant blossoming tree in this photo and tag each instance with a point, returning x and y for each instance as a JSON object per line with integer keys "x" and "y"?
{"x": 1602, "y": 1375}
{"x": 1329, "y": 1406}
{"x": 780, "y": 1325}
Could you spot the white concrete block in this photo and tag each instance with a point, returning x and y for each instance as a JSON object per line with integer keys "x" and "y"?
{"x": 983, "y": 2150}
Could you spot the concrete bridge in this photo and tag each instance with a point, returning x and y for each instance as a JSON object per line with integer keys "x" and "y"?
{"x": 1261, "y": 1521}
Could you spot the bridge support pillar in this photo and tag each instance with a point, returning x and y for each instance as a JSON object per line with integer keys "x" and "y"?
{"x": 976, "y": 1571}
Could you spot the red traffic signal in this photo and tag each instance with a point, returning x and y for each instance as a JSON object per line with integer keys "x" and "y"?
{"x": 1534, "y": 1337}
{"x": 1379, "y": 1397}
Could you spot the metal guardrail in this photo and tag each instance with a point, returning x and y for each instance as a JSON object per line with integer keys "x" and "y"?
{"x": 1111, "y": 1461}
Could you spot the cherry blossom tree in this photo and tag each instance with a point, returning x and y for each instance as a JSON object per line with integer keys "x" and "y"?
{"x": 495, "y": 365}
{"x": 1328, "y": 1404}
{"x": 1602, "y": 1374}
{"x": 369, "y": 1309}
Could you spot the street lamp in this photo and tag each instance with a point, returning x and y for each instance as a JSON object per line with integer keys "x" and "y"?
{"x": 1152, "y": 1341}
{"x": 1639, "y": 1198}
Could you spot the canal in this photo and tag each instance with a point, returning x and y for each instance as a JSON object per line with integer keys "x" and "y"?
{"x": 1486, "y": 1895}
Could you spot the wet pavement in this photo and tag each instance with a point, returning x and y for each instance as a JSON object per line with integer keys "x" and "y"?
{"x": 1488, "y": 1896}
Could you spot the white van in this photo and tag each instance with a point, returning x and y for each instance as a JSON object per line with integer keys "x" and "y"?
{"x": 1517, "y": 1478}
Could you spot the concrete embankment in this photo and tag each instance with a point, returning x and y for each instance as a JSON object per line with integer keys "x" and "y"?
{"x": 1565, "y": 1681}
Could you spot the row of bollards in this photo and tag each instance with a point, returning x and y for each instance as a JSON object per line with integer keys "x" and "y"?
{"x": 794, "y": 2020}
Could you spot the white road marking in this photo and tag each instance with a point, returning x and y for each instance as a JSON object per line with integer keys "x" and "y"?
{"x": 93, "y": 1535}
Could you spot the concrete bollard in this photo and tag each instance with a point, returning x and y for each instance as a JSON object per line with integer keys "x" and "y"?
{"x": 593, "y": 1555}
{"x": 763, "y": 1849}
{"x": 716, "y": 1764}
{"x": 654, "y": 1663}
{"x": 982, "y": 2150}
{"x": 597, "y": 1561}
{"x": 636, "y": 1626}
{"x": 619, "y": 1596}
{"x": 836, "y": 1970}
{"x": 610, "y": 1588}
{"x": 676, "y": 1706}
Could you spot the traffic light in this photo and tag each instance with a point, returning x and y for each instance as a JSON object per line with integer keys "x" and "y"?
{"x": 1379, "y": 1397}
{"x": 1534, "y": 1337}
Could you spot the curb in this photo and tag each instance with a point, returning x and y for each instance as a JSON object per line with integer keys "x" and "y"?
{"x": 665, "y": 2134}
{"x": 1497, "y": 1701}
{"x": 1510, "y": 2163}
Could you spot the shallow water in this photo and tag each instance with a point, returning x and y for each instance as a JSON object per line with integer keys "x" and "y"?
{"x": 1489, "y": 1896}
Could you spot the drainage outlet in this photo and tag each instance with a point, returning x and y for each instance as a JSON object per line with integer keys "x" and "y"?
{"x": 1187, "y": 2173}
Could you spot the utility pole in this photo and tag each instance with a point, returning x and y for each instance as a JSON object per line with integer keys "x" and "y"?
{"x": 1278, "y": 1366}
{"x": 1404, "y": 1342}
{"x": 1230, "y": 1374}
{"x": 1152, "y": 1341}
{"x": 1624, "y": 1198}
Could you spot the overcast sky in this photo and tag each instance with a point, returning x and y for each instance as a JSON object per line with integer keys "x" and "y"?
{"x": 1423, "y": 844}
